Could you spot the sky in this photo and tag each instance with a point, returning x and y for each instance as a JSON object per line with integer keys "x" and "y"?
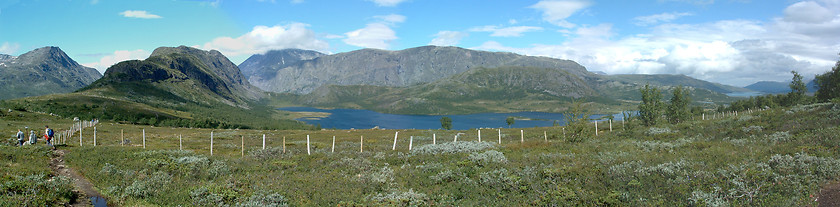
{"x": 734, "y": 42}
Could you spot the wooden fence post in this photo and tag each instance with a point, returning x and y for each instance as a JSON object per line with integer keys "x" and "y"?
{"x": 362, "y": 143}
{"x": 395, "y": 141}
{"x": 500, "y": 136}
{"x": 410, "y": 142}
{"x": 521, "y": 136}
{"x": 144, "y": 138}
{"x": 211, "y": 143}
{"x": 180, "y": 143}
{"x": 434, "y": 139}
{"x": 284, "y": 144}
{"x": 80, "y": 133}
{"x": 243, "y": 144}
{"x": 333, "y": 145}
{"x": 479, "y": 135}
{"x": 263, "y": 141}
{"x": 122, "y": 137}
{"x": 94, "y": 136}
{"x": 596, "y": 128}
{"x": 610, "y": 124}
{"x": 545, "y": 134}
{"x": 456, "y": 138}
{"x": 307, "y": 145}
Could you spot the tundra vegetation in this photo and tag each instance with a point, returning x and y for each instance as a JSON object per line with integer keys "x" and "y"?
{"x": 777, "y": 156}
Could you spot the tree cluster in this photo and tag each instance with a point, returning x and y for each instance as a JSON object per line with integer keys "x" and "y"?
{"x": 676, "y": 111}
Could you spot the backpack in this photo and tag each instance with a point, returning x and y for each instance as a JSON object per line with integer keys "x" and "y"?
{"x": 50, "y": 133}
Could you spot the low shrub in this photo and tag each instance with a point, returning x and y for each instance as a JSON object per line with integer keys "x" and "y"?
{"x": 454, "y": 147}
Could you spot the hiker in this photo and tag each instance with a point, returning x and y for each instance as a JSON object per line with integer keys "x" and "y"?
{"x": 20, "y": 137}
{"x": 49, "y": 135}
{"x": 32, "y": 137}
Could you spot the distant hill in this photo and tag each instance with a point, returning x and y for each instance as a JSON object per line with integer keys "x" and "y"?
{"x": 390, "y": 68}
{"x": 776, "y": 87}
{"x": 46, "y": 70}
{"x": 771, "y": 87}
{"x": 675, "y": 80}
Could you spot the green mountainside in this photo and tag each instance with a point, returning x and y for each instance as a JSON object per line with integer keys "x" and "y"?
{"x": 502, "y": 89}
{"x": 675, "y": 80}
{"x": 46, "y": 70}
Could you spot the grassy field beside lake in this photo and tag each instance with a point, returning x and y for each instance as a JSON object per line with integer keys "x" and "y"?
{"x": 776, "y": 157}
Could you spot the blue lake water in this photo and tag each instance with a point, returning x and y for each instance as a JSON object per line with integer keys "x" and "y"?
{"x": 366, "y": 119}
{"x": 745, "y": 94}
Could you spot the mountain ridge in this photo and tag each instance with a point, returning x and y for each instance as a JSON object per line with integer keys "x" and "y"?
{"x": 45, "y": 70}
{"x": 397, "y": 68}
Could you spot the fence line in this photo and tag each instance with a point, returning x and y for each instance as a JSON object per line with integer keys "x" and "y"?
{"x": 63, "y": 135}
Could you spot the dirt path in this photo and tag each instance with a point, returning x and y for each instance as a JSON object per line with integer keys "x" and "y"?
{"x": 83, "y": 186}
{"x": 830, "y": 195}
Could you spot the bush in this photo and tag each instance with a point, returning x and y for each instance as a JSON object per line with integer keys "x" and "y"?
{"x": 488, "y": 157}
{"x": 454, "y": 147}
{"x": 262, "y": 199}
{"x": 398, "y": 198}
{"x": 656, "y": 131}
{"x": 150, "y": 186}
{"x": 36, "y": 190}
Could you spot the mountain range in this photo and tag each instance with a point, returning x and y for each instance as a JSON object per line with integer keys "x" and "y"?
{"x": 174, "y": 86}
{"x": 187, "y": 85}
{"x": 384, "y": 68}
{"x": 46, "y": 70}
{"x": 440, "y": 80}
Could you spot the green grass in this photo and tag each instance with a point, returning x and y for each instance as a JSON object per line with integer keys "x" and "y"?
{"x": 777, "y": 157}
{"x": 26, "y": 178}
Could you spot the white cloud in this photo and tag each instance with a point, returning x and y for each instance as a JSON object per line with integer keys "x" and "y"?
{"x": 448, "y": 38}
{"x": 9, "y": 48}
{"x": 377, "y": 34}
{"x": 808, "y": 12}
{"x": 515, "y": 31}
{"x": 556, "y": 12}
{"x": 263, "y": 38}
{"x": 387, "y": 2}
{"x": 735, "y": 52}
{"x": 391, "y": 18}
{"x": 374, "y": 35}
{"x": 659, "y": 18}
{"x": 139, "y": 14}
{"x": 116, "y": 57}
{"x": 94, "y": 1}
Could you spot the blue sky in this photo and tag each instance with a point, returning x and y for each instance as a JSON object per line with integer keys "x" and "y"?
{"x": 734, "y": 42}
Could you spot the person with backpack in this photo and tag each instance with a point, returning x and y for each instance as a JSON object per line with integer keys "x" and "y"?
{"x": 20, "y": 137}
{"x": 32, "y": 137}
{"x": 49, "y": 135}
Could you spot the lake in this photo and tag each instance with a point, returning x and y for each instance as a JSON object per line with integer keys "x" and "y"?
{"x": 366, "y": 119}
{"x": 745, "y": 94}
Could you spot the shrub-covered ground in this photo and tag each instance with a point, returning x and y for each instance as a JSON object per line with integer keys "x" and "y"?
{"x": 775, "y": 157}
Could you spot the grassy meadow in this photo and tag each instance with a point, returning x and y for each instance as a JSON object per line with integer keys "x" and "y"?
{"x": 774, "y": 157}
